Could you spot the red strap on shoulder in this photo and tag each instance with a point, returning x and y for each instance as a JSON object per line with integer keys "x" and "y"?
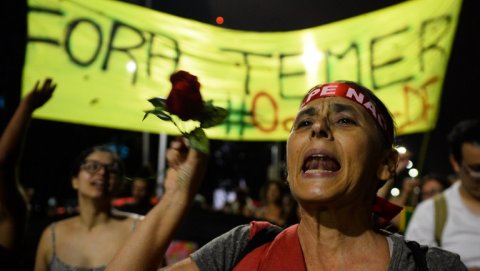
{"x": 252, "y": 260}
{"x": 283, "y": 253}
{"x": 256, "y": 226}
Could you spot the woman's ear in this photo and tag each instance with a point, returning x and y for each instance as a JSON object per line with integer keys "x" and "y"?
{"x": 387, "y": 169}
{"x": 454, "y": 163}
{"x": 75, "y": 183}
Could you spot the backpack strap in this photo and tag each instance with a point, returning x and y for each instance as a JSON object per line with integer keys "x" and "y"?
{"x": 419, "y": 255}
{"x": 440, "y": 205}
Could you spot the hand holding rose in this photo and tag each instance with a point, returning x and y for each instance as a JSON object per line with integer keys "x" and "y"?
{"x": 185, "y": 102}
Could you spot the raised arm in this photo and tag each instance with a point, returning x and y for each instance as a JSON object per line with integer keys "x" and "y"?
{"x": 146, "y": 247}
{"x": 13, "y": 207}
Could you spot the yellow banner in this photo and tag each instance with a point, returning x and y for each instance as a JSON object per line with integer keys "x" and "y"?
{"x": 110, "y": 57}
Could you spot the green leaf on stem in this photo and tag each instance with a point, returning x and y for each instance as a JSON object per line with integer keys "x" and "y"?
{"x": 158, "y": 102}
{"x": 198, "y": 140}
{"x": 212, "y": 115}
{"x": 161, "y": 114}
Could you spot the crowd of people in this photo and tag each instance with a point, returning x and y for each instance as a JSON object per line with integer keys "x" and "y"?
{"x": 340, "y": 155}
{"x": 273, "y": 204}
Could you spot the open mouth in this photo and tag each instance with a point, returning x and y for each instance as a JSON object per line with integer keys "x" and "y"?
{"x": 320, "y": 163}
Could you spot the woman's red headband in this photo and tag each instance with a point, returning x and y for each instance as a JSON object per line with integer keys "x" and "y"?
{"x": 345, "y": 90}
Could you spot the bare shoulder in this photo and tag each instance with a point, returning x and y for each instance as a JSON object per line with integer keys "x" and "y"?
{"x": 64, "y": 225}
{"x": 61, "y": 225}
{"x": 45, "y": 243}
{"x": 54, "y": 230}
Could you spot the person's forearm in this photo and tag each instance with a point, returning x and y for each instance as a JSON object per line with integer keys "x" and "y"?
{"x": 13, "y": 203}
{"x": 145, "y": 249}
{"x": 385, "y": 189}
{"x": 12, "y": 137}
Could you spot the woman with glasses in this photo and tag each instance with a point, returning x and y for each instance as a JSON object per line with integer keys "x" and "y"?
{"x": 89, "y": 240}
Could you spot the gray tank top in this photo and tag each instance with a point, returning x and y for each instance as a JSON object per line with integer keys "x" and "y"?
{"x": 58, "y": 265}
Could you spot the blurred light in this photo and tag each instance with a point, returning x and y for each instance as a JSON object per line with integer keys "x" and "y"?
{"x": 219, "y": 20}
{"x": 219, "y": 198}
{"x": 131, "y": 66}
{"x": 413, "y": 172}
{"x": 311, "y": 58}
{"x": 409, "y": 164}
{"x": 395, "y": 192}
{"x": 231, "y": 196}
{"x": 52, "y": 202}
{"x": 401, "y": 149}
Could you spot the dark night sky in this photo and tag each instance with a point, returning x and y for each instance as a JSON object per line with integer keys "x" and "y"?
{"x": 51, "y": 146}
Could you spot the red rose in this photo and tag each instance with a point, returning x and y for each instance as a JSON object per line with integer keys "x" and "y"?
{"x": 184, "y": 99}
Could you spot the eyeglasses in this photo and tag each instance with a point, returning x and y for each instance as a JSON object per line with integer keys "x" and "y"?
{"x": 473, "y": 170}
{"x": 92, "y": 167}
